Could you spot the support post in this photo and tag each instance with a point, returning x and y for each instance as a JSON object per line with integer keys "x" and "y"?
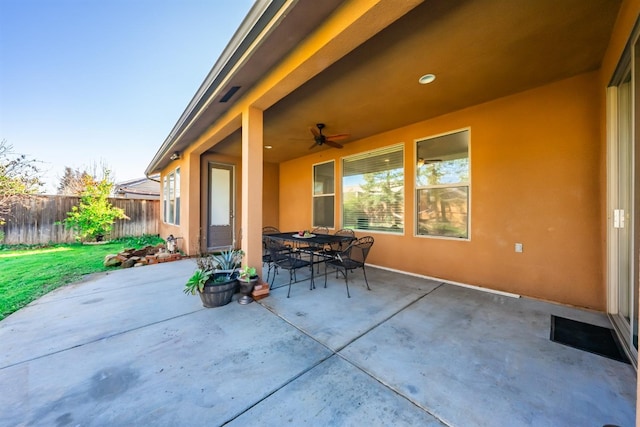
{"x": 251, "y": 223}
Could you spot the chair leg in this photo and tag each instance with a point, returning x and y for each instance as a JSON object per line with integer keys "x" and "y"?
{"x": 273, "y": 279}
{"x": 346, "y": 281}
{"x": 325, "y": 275}
{"x": 365, "y": 278}
{"x": 268, "y": 271}
{"x": 291, "y": 274}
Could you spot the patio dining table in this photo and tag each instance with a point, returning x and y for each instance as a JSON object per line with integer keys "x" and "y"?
{"x": 311, "y": 244}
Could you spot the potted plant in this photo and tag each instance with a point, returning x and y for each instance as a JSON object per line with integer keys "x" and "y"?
{"x": 247, "y": 279}
{"x": 215, "y": 279}
{"x": 197, "y": 281}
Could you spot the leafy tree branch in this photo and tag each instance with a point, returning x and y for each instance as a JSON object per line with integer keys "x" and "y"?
{"x": 19, "y": 178}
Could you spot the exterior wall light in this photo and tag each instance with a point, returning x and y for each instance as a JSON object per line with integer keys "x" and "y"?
{"x": 175, "y": 155}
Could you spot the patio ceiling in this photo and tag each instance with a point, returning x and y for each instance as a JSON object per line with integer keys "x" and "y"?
{"x": 479, "y": 50}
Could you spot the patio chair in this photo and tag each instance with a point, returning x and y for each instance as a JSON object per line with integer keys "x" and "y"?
{"x": 269, "y": 229}
{"x": 288, "y": 260}
{"x": 266, "y": 256}
{"x": 320, "y": 230}
{"x": 352, "y": 257}
{"x": 334, "y": 248}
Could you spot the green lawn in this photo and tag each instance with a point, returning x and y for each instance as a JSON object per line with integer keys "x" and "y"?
{"x": 27, "y": 274}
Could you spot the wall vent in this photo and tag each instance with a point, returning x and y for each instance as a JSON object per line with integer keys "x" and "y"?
{"x": 229, "y": 94}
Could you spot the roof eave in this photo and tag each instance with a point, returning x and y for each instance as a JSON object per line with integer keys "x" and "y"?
{"x": 254, "y": 17}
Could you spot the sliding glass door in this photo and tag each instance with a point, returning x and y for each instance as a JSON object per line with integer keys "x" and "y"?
{"x": 624, "y": 201}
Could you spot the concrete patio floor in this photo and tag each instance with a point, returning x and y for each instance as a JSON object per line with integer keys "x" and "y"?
{"x": 129, "y": 348}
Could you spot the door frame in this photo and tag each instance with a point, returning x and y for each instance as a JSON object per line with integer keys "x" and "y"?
{"x": 624, "y": 329}
{"x": 233, "y": 202}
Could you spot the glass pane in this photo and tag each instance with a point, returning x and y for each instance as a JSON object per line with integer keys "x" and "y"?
{"x": 445, "y": 172}
{"x": 443, "y": 160}
{"x": 177, "y": 210}
{"x": 323, "y": 179}
{"x": 443, "y": 211}
{"x": 165, "y": 199}
{"x": 171, "y": 198}
{"x": 323, "y": 211}
{"x": 375, "y": 161}
{"x": 625, "y": 164}
{"x": 373, "y": 191}
{"x": 636, "y": 197}
{"x": 177, "y": 197}
{"x": 220, "y": 196}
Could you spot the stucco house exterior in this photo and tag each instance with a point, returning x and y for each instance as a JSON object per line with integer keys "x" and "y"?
{"x": 139, "y": 188}
{"x": 484, "y": 142}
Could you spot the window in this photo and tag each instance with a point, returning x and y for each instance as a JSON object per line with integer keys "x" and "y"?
{"x": 442, "y": 186}
{"x": 373, "y": 190}
{"x": 171, "y": 197}
{"x": 323, "y": 195}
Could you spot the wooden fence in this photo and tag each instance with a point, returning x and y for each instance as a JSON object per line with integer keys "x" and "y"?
{"x": 34, "y": 221}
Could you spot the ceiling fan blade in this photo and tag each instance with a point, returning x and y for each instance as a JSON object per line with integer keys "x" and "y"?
{"x": 313, "y": 146}
{"x": 315, "y": 132}
{"x": 333, "y": 144}
{"x": 338, "y": 137}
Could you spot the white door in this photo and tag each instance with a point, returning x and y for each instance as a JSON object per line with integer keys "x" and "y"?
{"x": 221, "y": 207}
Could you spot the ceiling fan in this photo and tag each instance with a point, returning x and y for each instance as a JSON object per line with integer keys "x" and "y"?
{"x": 421, "y": 162}
{"x": 321, "y": 139}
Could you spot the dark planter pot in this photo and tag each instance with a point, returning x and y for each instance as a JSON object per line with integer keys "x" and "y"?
{"x": 217, "y": 294}
{"x": 245, "y": 289}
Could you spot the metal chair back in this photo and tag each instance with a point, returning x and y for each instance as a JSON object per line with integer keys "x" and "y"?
{"x": 340, "y": 246}
{"x": 354, "y": 256}
{"x": 269, "y": 229}
{"x": 320, "y": 230}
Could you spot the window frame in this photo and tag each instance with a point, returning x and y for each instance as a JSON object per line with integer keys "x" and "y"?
{"x": 171, "y": 197}
{"x": 389, "y": 148}
{"x": 314, "y": 195}
{"x": 417, "y": 188}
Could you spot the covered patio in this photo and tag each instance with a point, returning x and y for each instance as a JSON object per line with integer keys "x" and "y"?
{"x": 128, "y": 348}
{"x": 481, "y": 142}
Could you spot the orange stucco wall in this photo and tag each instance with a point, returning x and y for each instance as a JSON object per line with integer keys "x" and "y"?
{"x": 271, "y": 194}
{"x": 194, "y": 189}
{"x": 536, "y": 160}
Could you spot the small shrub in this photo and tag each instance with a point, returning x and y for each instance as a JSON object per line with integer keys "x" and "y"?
{"x": 95, "y": 215}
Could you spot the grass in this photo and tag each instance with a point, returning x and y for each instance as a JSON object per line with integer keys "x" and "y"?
{"x": 28, "y": 273}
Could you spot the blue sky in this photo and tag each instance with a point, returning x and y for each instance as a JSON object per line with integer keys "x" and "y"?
{"x": 86, "y": 82}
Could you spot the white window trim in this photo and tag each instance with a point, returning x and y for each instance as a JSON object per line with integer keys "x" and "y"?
{"x": 313, "y": 195}
{"x": 340, "y": 172}
{"x": 416, "y": 188}
{"x": 166, "y": 180}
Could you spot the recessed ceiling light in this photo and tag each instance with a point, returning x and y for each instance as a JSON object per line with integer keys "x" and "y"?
{"x": 426, "y": 79}
{"x": 268, "y": 147}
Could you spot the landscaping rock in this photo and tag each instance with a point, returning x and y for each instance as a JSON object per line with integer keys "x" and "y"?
{"x": 128, "y": 263}
{"x": 112, "y": 260}
{"x": 131, "y": 257}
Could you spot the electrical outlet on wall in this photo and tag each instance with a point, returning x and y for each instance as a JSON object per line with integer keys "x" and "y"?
{"x": 519, "y": 247}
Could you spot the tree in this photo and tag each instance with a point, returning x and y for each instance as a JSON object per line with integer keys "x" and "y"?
{"x": 19, "y": 178}
{"x": 72, "y": 182}
{"x": 95, "y": 215}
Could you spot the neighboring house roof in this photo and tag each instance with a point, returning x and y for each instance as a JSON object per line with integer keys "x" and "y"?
{"x": 140, "y": 188}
